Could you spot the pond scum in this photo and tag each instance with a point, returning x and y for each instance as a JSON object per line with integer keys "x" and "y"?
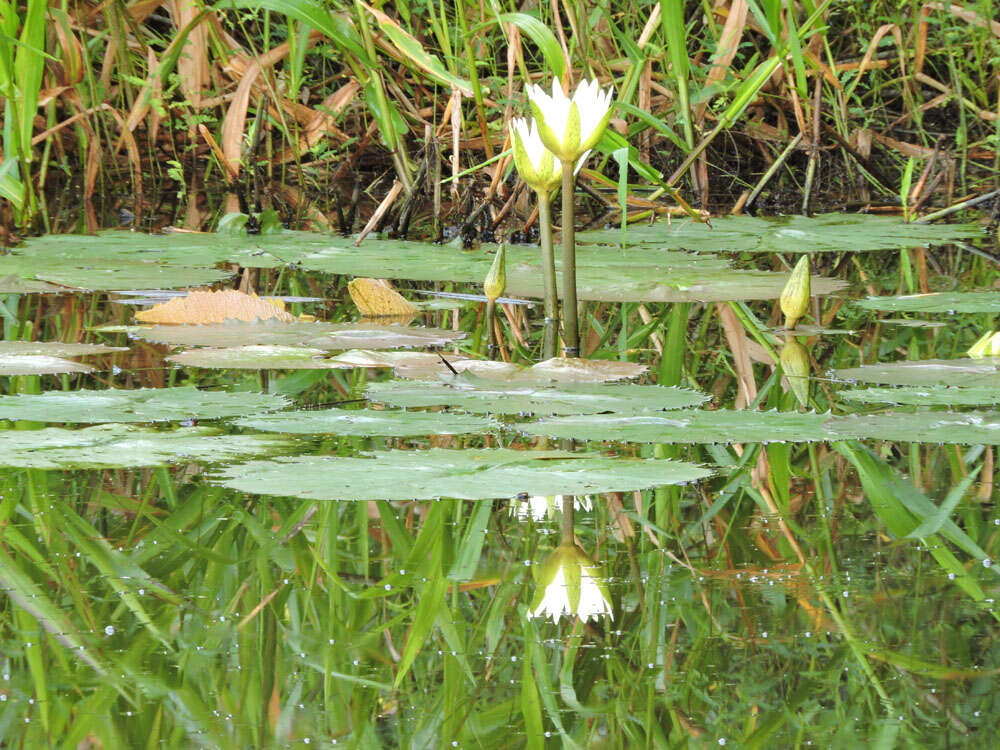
{"x": 628, "y": 466}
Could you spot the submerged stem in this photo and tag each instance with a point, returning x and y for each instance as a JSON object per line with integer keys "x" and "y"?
{"x": 570, "y": 314}
{"x": 549, "y": 273}
{"x": 568, "y": 532}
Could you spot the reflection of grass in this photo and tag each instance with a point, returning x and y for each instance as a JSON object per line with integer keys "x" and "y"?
{"x": 779, "y": 602}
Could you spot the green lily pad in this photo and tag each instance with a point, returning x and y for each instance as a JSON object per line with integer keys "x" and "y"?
{"x": 788, "y": 234}
{"x": 486, "y": 396}
{"x": 140, "y": 405}
{"x": 55, "y": 349}
{"x": 968, "y": 428}
{"x": 370, "y": 422}
{"x": 12, "y": 284}
{"x": 116, "y": 446}
{"x": 555, "y": 370}
{"x": 256, "y": 358}
{"x": 105, "y": 261}
{"x": 316, "y": 335}
{"x": 108, "y": 274}
{"x": 938, "y": 302}
{"x": 689, "y": 426}
{"x": 39, "y": 364}
{"x": 927, "y": 372}
{"x": 462, "y": 474}
{"x": 934, "y": 395}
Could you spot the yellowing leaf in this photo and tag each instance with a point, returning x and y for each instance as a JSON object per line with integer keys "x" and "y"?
{"x": 375, "y": 298}
{"x": 213, "y": 307}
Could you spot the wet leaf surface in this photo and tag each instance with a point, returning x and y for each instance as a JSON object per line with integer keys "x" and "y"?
{"x": 466, "y": 474}
{"x": 939, "y": 302}
{"x": 369, "y": 423}
{"x": 139, "y": 405}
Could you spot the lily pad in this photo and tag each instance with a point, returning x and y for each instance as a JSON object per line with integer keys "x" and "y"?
{"x": 690, "y": 426}
{"x": 316, "y": 335}
{"x": 788, "y": 234}
{"x": 39, "y": 364}
{"x": 116, "y": 446}
{"x": 935, "y": 395}
{"x": 256, "y": 358}
{"x": 938, "y": 302}
{"x": 370, "y": 422}
{"x": 926, "y": 372}
{"x": 55, "y": 349}
{"x": 555, "y": 370}
{"x": 969, "y": 428}
{"x": 603, "y": 273}
{"x": 16, "y": 285}
{"x": 140, "y": 405}
{"x": 486, "y": 396}
{"x": 462, "y": 474}
{"x": 108, "y": 274}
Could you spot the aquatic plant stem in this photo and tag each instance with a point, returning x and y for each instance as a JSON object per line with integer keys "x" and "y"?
{"x": 550, "y": 342}
{"x": 568, "y": 532}
{"x": 571, "y": 335}
{"x": 491, "y": 342}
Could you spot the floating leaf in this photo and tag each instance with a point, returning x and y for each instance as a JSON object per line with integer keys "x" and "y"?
{"x": 934, "y": 395}
{"x": 463, "y": 474}
{"x": 11, "y": 284}
{"x": 265, "y": 357}
{"x": 557, "y": 369}
{"x": 690, "y": 426}
{"x": 970, "y": 428}
{"x": 375, "y": 298}
{"x": 38, "y": 364}
{"x": 114, "y": 446}
{"x": 55, "y": 348}
{"x": 487, "y": 396}
{"x": 316, "y": 335}
{"x": 789, "y": 234}
{"x": 938, "y": 302}
{"x": 370, "y": 422}
{"x": 107, "y": 274}
{"x": 140, "y": 405}
{"x": 955, "y": 372}
{"x": 213, "y": 307}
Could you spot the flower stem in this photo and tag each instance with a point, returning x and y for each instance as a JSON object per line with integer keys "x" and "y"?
{"x": 491, "y": 342}
{"x": 570, "y": 315}
{"x": 568, "y": 528}
{"x": 549, "y": 271}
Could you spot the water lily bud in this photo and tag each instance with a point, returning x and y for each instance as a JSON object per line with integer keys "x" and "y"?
{"x": 571, "y": 127}
{"x": 570, "y": 584}
{"x": 795, "y": 297}
{"x": 795, "y": 365}
{"x": 987, "y": 346}
{"x": 496, "y": 279}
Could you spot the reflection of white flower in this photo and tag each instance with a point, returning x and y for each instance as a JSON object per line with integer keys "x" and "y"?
{"x": 571, "y": 126}
{"x": 987, "y": 346}
{"x": 535, "y": 163}
{"x": 570, "y": 584}
{"x": 538, "y": 507}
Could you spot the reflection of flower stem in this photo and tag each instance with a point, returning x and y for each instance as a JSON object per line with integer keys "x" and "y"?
{"x": 549, "y": 272}
{"x": 568, "y": 509}
{"x": 570, "y": 316}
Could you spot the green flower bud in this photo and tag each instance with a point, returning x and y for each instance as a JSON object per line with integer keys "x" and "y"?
{"x": 795, "y": 365}
{"x": 795, "y": 297}
{"x": 496, "y": 279}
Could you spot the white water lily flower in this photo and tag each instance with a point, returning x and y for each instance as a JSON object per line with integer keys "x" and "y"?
{"x": 540, "y": 507}
{"x": 569, "y": 127}
{"x": 537, "y": 166}
{"x": 570, "y": 584}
